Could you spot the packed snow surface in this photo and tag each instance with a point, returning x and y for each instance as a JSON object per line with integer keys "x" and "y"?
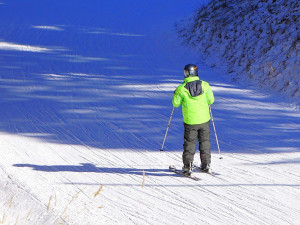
{"x": 86, "y": 89}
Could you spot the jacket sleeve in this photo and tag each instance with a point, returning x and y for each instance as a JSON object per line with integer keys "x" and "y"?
{"x": 209, "y": 95}
{"x": 177, "y": 100}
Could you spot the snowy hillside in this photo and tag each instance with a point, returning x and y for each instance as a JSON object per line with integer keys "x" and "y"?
{"x": 256, "y": 41}
{"x": 86, "y": 89}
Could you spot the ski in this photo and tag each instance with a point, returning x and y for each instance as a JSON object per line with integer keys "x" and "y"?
{"x": 210, "y": 172}
{"x": 173, "y": 169}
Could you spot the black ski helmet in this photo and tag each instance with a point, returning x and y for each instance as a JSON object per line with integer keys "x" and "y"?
{"x": 190, "y": 70}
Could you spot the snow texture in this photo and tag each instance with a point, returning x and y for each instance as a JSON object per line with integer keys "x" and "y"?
{"x": 257, "y": 41}
{"x": 86, "y": 90}
{"x": 18, "y": 206}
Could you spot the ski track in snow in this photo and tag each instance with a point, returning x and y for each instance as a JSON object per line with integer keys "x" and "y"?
{"x": 92, "y": 112}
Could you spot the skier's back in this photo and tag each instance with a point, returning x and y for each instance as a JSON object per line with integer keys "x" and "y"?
{"x": 195, "y": 96}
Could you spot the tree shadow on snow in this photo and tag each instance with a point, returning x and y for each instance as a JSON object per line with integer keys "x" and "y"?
{"x": 94, "y": 86}
{"x": 97, "y": 95}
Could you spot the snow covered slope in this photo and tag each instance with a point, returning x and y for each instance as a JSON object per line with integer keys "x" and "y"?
{"x": 86, "y": 90}
{"x": 257, "y": 41}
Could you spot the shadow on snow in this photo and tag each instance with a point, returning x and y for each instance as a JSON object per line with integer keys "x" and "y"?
{"x": 94, "y": 86}
{"x": 91, "y": 168}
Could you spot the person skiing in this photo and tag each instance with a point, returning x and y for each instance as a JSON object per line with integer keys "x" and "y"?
{"x": 195, "y": 96}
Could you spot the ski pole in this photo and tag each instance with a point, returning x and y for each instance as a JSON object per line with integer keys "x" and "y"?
{"x": 163, "y": 144}
{"x": 212, "y": 119}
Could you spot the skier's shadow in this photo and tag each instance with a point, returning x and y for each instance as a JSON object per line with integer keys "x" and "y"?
{"x": 91, "y": 168}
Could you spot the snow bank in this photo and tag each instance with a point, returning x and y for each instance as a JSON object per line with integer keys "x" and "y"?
{"x": 257, "y": 41}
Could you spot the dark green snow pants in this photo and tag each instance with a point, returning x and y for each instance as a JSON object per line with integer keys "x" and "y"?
{"x": 191, "y": 134}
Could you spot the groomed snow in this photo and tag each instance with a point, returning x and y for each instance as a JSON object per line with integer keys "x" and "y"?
{"x": 81, "y": 125}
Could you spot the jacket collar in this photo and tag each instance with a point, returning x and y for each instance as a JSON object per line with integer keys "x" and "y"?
{"x": 190, "y": 79}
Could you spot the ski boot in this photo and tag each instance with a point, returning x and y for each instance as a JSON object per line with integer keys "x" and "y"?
{"x": 187, "y": 169}
{"x": 205, "y": 168}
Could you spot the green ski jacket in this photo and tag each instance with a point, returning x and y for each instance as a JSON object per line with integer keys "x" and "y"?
{"x": 195, "y": 96}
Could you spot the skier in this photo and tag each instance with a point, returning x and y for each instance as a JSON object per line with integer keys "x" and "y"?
{"x": 195, "y": 96}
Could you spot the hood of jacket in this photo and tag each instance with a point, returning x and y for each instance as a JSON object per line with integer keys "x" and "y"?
{"x": 193, "y": 85}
